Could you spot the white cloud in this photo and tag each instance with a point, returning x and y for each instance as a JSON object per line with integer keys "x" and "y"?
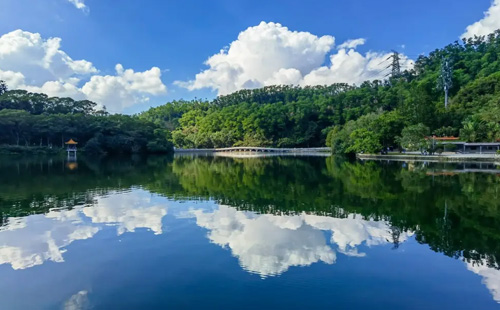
{"x": 269, "y": 244}
{"x": 39, "y": 60}
{"x": 57, "y": 89}
{"x": 488, "y": 24}
{"x": 124, "y": 89}
{"x": 27, "y": 61}
{"x": 78, "y": 301}
{"x": 289, "y": 76}
{"x": 352, "y": 43}
{"x": 79, "y": 4}
{"x": 350, "y": 66}
{"x": 270, "y": 54}
{"x": 258, "y": 55}
{"x": 13, "y": 79}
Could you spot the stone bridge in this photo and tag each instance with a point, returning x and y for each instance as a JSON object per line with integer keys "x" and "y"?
{"x": 257, "y": 149}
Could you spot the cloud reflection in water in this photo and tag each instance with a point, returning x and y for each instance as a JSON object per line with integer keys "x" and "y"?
{"x": 32, "y": 240}
{"x": 270, "y": 244}
{"x": 264, "y": 244}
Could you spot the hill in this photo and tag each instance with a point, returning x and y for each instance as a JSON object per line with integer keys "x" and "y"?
{"x": 352, "y": 118}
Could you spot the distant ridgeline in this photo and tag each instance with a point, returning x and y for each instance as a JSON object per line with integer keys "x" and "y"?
{"x": 31, "y": 122}
{"x": 399, "y": 111}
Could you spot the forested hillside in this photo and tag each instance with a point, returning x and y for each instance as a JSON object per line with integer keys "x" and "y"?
{"x": 35, "y": 122}
{"x": 398, "y": 111}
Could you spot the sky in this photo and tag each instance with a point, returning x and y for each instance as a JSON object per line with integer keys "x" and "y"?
{"x": 130, "y": 55}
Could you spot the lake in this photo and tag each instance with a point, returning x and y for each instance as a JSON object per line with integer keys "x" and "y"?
{"x": 248, "y": 233}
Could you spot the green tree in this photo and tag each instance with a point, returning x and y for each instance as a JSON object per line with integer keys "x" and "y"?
{"x": 364, "y": 141}
{"x": 413, "y": 137}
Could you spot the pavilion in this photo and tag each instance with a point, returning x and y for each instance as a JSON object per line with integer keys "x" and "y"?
{"x": 71, "y": 147}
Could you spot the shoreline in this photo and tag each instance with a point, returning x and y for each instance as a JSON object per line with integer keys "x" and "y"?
{"x": 485, "y": 158}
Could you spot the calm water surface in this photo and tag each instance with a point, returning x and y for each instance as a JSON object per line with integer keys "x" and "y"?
{"x": 261, "y": 233}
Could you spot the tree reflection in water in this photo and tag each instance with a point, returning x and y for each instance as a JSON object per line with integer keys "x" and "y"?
{"x": 273, "y": 212}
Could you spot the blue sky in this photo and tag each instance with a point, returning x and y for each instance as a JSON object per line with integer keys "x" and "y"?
{"x": 177, "y": 37}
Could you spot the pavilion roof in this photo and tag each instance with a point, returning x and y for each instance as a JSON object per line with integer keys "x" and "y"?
{"x": 71, "y": 141}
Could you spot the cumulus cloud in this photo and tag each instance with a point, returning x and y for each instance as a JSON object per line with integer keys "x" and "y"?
{"x": 39, "y": 60}
{"x": 271, "y": 54}
{"x": 27, "y": 61}
{"x": 488, "y": 24}
{"x": 258, "y": 55}
{"x": 124, "y": 89}
{"x": 13, "y": 79}
{"x": 352, "y": 67}
{"x": 269, "y": 245}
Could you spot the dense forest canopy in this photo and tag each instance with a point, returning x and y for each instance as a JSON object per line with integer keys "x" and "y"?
{"x": 31, "y": 119}
{"x": 353, "y": 118}
{"x": 397, "y": 112}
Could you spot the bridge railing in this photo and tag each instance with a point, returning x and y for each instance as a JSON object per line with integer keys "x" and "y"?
{"x": 258, "y": 149}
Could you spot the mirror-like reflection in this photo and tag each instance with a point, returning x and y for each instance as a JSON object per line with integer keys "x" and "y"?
{"x": 271, "y": 215}
{"x": 32, "y": 240}
{"x": 269, "y": 244}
